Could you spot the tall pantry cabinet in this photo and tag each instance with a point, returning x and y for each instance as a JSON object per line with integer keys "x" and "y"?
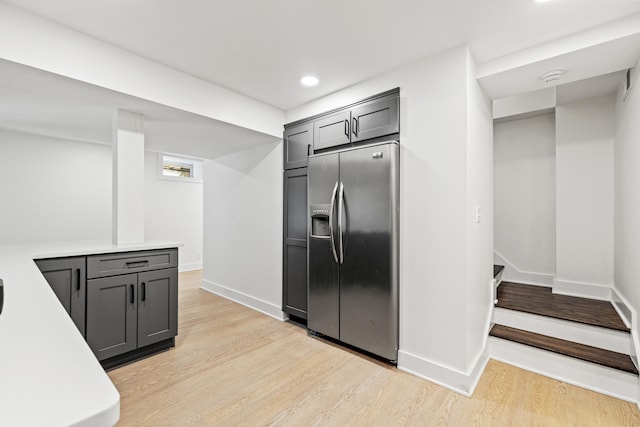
{"x": 298, "y": 142}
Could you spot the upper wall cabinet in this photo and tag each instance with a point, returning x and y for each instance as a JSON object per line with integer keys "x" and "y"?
{"x": 332, "y": 131}
{"x": 298, "y": 142}
{"x": 365, "y": 121}
{"x": 374, "y": 117}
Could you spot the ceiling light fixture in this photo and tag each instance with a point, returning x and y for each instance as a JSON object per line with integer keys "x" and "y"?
{"x": 309, "y": 81}
{"x": 552, "y": 76}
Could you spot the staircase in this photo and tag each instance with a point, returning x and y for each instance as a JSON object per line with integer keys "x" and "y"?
{"x": 576, "y": 340}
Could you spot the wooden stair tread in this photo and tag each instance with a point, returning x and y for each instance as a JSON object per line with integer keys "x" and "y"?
{"x": 588, "y": 353}
{"x": 542, "y": 301}
{"x": 497, "y": 269}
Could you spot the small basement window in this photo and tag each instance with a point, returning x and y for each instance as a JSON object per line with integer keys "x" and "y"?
{"x": 179, "y": 168}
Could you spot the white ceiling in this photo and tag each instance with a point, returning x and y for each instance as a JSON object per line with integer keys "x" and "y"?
{"x": 261, "y": 48}
{"x": 39, "y": 102}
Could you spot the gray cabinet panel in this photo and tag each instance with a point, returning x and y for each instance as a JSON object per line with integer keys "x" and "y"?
{"x": 332, "y": 131}
{"x": 67, "y": 277}
{"x": 374, "y": 119}
{"x": 294, "y": 289}
{"x": 296, "y": 204}
{"x": 130, "y": 262}
{"x": 157, "y": 306}
{"x": 112, "y": 315}
{"x": 297, "y": 145}
{"x": 296, "y": 278}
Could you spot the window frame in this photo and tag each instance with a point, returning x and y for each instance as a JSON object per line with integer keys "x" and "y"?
{"x": 195, "y": 163}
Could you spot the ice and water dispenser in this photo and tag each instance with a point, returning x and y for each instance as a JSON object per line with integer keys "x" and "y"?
{"x": 320, "y": 221}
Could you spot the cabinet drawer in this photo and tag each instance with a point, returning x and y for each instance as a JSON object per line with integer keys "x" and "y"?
{"x": 130, "y": 262}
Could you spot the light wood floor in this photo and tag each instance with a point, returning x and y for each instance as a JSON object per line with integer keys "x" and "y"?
{"x": 234, "y": 366}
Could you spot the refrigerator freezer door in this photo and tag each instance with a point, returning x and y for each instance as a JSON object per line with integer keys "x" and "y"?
{"x": 369, "y": 273}
{"x": 323, "y": 303}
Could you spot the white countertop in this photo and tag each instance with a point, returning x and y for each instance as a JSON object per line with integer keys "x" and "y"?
{"x": 48, "y": 374}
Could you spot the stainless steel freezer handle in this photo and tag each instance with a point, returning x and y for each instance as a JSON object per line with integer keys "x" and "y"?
{"x": 340, "y": 207}
{"x": 333, "y": 203}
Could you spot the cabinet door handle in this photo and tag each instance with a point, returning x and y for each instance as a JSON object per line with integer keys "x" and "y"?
{"x": 346, "y": 128}
{"x": 308, "y": 150}
{"x": 136, "y": 264}
{"x": 144, "y": 291}
{"x": 78, "y": 285}
{"x": 131, "y": 289}
{"x": 354, "y": 128}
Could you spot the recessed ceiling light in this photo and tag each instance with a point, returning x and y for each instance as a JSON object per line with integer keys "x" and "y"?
{"x": 309, "y": 81}
{"x": 541, "y": 1}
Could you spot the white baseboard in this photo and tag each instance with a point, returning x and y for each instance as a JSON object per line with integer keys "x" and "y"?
{"x": 621, "y": 385}
{"x": 511, "y": 273}
{"x": 622, "y": 307}
{"x": 608, "y": 339}
{"x": 190, "y": 266}
{"x": 582, "y": 289}
{"x": 453, "y": 379}
{"x": 628, "y": 315}
{"x": 257, "y": 304}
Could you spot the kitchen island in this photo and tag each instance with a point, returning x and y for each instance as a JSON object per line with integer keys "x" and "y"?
{"x": 48, "y": 374}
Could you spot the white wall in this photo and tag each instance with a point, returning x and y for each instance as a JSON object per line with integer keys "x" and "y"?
{"x": 53, "y": 190}
{"x": 479, "y": 230}
{"x": 627, "y": 196}
{"x": 584, "y": 194}
{"x": 436, "y": 335}
{"x": 173, "y": 210}
{"x": 58, "y": 190}
{"x": 243, "y": 227}
{"x": 524, "y": 198}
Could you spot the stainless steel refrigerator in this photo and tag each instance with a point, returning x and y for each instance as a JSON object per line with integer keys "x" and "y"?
{"x": 353, "y": 247}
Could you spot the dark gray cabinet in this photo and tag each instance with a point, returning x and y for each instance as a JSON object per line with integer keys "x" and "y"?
{"x": 368, "y": 120}
{"x": 298, "y": 143}
{"x": 375, "y": 118}
{"x": 112, "y": 315}
{"x": 67, "y": 277}
{"x": 131, "y": 311}
{"x": 129, "y": 308}
{"x": 294, "y": 290}
{"x": 332, "y": 131}
{"x": 157, "y": 306}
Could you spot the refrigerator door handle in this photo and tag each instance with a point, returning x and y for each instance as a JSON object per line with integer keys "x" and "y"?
{"x": 331, "y": 239}
{"x": 340, "y": 207}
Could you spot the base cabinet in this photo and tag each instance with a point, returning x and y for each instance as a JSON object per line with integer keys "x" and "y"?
{"x": 67, "y": 277}
{"x": 131, "y": 311}
{"x": 157, "y": 306}
{"x": 112, "y": 311}
{"x": 124, "y": 304}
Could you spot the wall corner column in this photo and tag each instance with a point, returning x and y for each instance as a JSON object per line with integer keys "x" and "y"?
{"x": 128, "y": 178}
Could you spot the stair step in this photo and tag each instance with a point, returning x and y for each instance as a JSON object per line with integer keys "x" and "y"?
{"x": 587, "y": 353}
{"x": 595, "y": 336}
{"x": 497, "y": 269}
{"x": 542, "y": 301}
